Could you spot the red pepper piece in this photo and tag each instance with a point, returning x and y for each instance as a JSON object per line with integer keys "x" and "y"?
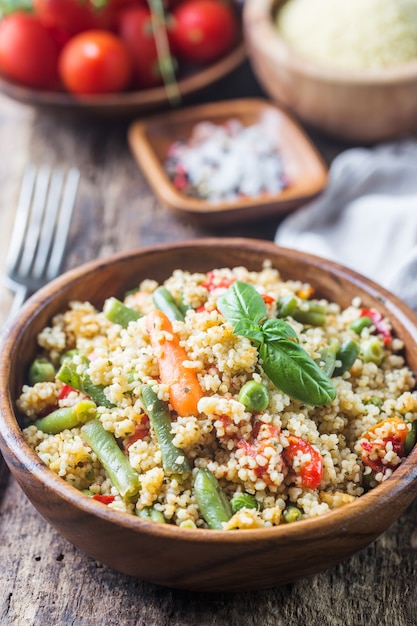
{"x": 378, "y": 321}
{"x": 374, "y": 447}
{"x": 102, "y": 498}
{"x": 311, "y": 471}
{"x": 65, "y": 391}
{"x": 215, "y": 282}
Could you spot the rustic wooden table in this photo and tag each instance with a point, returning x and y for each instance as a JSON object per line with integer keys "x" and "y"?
{"x": 45, "y": 581}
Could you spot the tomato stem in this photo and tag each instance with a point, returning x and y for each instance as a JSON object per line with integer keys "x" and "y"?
{"x": 165, "y": 60}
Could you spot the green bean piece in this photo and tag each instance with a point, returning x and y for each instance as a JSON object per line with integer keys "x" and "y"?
{"x": 243, "y": 500}
{"x": 359, "y": 324}
{"x": 410, "y": 439}
{"x": 254, "y": 396}
{"x": 287, "y": 305}
{"x": 174, "y": 460}
{"x": 67, "y": 417}
{"x": 151, "y": 514}
{"x": 164, "y": 301}
{"x": 347, "y": 355}
{"x": 120, "y": 472}
{"x": 41, "y": 371}
{"x": 310, "y": 312}
{"x": 327, "y": 361}
{"x": 70, "y": 374}
{"x": 211, "y": 499}
{"x": 372, "y": 351}
{"x": 183, "y": 307}
{"x": 292, "y": 514}
{"x": 118, "y": 313}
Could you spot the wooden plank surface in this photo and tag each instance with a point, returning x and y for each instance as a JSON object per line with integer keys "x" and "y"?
{"x": 45, "y": 581}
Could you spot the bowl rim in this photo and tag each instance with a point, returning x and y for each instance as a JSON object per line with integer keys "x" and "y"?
{"x": 12, "y": 439}
{"x": 135, "y": 99}
{"x": 257, "y": 16}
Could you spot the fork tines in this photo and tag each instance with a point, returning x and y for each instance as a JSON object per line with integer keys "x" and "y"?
{"x": 42, "y": 223}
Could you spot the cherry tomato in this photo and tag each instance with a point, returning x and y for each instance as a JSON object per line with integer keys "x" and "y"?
{"x": 28, "y": 52}
{"x": 94, "y": 62}
{"x": 204, "y": 30}
{"x": 70, "y": 16}
{"x": 135, "y": 29}
{"x": 310, "y": 472}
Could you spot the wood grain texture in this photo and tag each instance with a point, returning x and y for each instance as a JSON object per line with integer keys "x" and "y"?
{"x": 45, "y": 580}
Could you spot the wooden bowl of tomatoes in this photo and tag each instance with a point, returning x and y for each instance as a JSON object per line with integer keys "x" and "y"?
{"x": 124, "y": 58}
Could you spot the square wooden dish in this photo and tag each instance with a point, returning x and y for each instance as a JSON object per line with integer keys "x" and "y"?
{"x": 150, "y": 139}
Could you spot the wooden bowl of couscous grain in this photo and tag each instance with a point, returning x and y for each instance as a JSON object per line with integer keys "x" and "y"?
{"x": 348, "y": 69}
{"x": 312, "y": 497}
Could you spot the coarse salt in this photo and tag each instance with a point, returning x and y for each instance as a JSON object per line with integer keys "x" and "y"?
{"x": 228, "y": 161}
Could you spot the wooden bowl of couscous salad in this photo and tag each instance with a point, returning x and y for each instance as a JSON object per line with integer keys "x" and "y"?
{"x": 216, "y": 414}
{"x": 346, "y": 68}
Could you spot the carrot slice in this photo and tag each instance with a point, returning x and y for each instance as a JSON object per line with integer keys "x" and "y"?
{"x": 184, "y": 388}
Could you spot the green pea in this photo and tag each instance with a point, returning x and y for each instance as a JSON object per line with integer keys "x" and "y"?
{"x": 292, "y": 514}
{"x": 254, "y": 396}
{"x": 41, "y": 371}
{"x": 372, "y": 351}
{"x": 243, "y": 500}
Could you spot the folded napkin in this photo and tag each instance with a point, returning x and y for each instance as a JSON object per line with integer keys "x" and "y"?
{"x": 366, "y": 218}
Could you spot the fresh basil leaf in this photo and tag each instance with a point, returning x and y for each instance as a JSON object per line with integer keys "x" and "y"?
{"x": 275, "y": 329}
{"x": 246, "y": 328}
{"x": 242, "y": 301}
{"x": 292, "y": 370}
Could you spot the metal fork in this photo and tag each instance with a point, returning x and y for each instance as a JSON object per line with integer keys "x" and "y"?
{"x": 40, "y": 231}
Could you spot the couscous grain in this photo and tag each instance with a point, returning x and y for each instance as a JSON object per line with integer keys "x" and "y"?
{"x": 336, "y": 418}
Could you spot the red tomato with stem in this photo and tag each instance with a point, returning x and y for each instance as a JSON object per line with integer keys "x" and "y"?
{"x": 136, "y": 30}
{"x": 95, "y": 62}
{"x": 28, "y": 51}
{"x": 204, "y": 30}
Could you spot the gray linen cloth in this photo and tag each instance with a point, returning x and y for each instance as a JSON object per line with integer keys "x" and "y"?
{"x": 366, "y": 218}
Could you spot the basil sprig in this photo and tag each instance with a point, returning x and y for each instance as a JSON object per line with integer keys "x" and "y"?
{"x": 284, "y": 361}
